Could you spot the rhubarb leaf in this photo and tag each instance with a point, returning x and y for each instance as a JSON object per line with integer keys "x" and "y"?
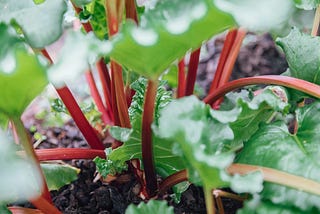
{"x": 271, "y": 15}
{"x": 22, "y": 74}
{"x": 307, "y": 4}
{"x": 152, "y": 206}
{"x": 58, "y": 175}
{"x": 273, "y": 146}
{"x": 303, "y": 55}
{"x": 95, "y": 12}
{"x": 166, "y": 163}
{"x": 41, "y": 23}
{"x": 78, "y": 53}
{"x": 256, "y": 206}
{"x": 13, "y": 186}
{"x": 172, "y": 28}
{"x": 252, "y": 112}
{"x": 200, "y": 134}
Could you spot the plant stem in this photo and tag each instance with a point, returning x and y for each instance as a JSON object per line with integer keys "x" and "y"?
{"x": 25, "y": 141}
{"x": 290, "y": 82}
{"x": 278, "y": 177}
{"x": 43, "y": 205}
{"x": 106, "y": 85}
{"x": 172, "y": 180}
{"x": 209, "y": 200}
{"x": 97, "y": 98}
{"x": 114, "y": 11}
{"x": 192, "y": 72}
{"x": 131, "y": 12}
{"x": 80, "y": 120}
{"x": 316, "y": 21}
{"x": 146, "y": 138}
{"x": 181, "y": 79}
{"x": 67, "y": 154}
{"x": 223, "y": 58}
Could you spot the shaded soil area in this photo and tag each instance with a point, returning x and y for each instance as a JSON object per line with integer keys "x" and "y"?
{"x": 85, "y": 196}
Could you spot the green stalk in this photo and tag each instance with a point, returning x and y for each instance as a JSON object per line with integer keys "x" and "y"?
{"x": 25, "y": 141}
{"x": 209, "y": 200}
{"x": 146, "y": 138}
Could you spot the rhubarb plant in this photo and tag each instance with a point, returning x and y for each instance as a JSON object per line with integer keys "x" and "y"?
{"x": 229, "y": 139}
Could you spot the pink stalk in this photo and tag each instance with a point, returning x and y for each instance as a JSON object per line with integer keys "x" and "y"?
{"x": 192, "y": 72}
{"x": 181, "y": 79}
{"x": 68, "y": 154}
{"x": 97, "y": 98}
{"x": 290, "y": 82}
{"x": 81, "y": 121}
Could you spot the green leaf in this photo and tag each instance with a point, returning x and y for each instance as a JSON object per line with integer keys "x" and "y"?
{"x": 22, "y": 75}
{"x": 107, "y": 166}
{"x": 200, "y": 133}
{"x": 4, "y": 121}
{"x": 303, "y": 55}
{"x": 252, "y": 112}
{"x": 78, "y": 53}
{"x": 41, "y": 23}
{"x": 307, "y": 4}
{"x": 80, "y": 3}
{"x": 4, "y": 209}
{"x": 19, "y": 178}
{"x": 256, "y": 206}
{"x": 153, "y": 206}
{"x": 273, "y": 146}
{"x": 96, "y": 12}
{"x": 271, "y": 15}
{"x": 58, "y": 175}
{"x": 166, "y": 34}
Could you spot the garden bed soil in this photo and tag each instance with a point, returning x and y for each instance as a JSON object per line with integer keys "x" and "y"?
{"x": 85, "y": 196}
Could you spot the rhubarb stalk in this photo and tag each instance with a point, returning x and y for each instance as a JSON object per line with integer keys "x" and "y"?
{"x": 192, "y": 72}
{"x": 146, "y": 138}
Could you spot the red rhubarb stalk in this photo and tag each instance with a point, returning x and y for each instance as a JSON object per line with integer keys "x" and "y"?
{"x": 181, "y": 79}
{"x": 192, "y": 72}
{"x": 43, "y": 205}
{"x": 223, "y": 58}
{"x": 290, "y": 82}
{"x": 68, "y": 154}
{"x": 131, "y": 11}
{"x": 146, "y": 138}
{"x": 97, "y": 99}
{"x": 81, "y": 121}
{"x": 172, "y": 180}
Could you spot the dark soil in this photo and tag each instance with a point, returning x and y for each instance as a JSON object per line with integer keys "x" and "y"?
{"x": 84, "y": 196}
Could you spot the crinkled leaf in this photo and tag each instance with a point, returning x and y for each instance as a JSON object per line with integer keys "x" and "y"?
{"x": 252, "y": 112}
{"x": 273, "y": 146}
{"x": 200, "y": 134}
{"x": 271, "y": 15}
{"x": 22, "y": 75}
{"x": 307, "y": 4}
{"x": 78, "y": 52}
{"x": 58, "y": 175}
{"x": 41, "y": 23}
{"x": 256, "y": 206}
{"x": 303, "y": 55}
{"x": 108, "y": 167}
{"x": 19, "y": 178}
{"x": 95, "y": 12}
{"x": 162, "y": 99}
{"x": 166, "y": 34}
{"x": 153, "y": 206}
